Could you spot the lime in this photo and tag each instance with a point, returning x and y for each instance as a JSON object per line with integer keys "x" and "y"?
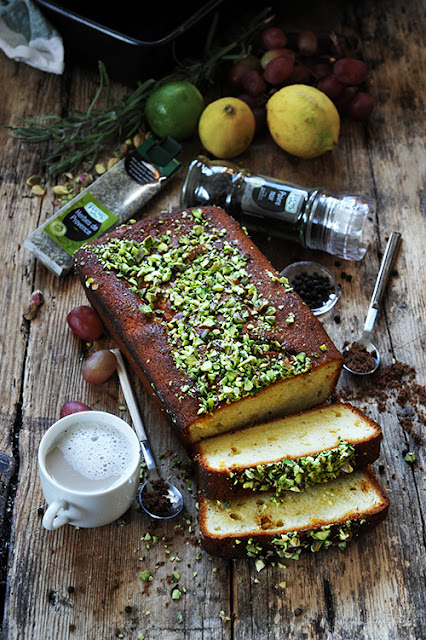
{"x": 303, "y": 121}
{"x": 174, "y": 110}
{"x": 226, "y": 127}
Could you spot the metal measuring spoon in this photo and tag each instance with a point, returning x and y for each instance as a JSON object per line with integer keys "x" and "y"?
{"x": 174, "y": 495}
{"x": 379, "y": 289}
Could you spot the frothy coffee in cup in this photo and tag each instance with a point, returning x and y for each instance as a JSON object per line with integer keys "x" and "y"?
{"x": 89, "y": 467}
{"x": 89, "y": 457}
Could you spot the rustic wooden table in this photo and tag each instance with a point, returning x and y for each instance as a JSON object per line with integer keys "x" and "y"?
{"x": 85, "y": 583}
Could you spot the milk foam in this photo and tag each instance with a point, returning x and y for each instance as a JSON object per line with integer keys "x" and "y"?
{"x": 95, "y": 450}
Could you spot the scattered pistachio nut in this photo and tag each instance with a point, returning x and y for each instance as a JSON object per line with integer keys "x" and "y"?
{"x": 60, "y": 190}
{"x": 31, "y": 309}
{"x": 33, "y": 180}
{"x": 111, "y": 162}
{"x": 38, "y": 190}
{"x": 100, "y": 168}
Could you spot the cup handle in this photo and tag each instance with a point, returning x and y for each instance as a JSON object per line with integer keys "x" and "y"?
{"x": 51, "y": 520}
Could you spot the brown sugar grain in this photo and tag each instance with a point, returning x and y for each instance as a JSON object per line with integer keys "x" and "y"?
{"x": 157, "y": 501}
{"x": 358, "y": 359}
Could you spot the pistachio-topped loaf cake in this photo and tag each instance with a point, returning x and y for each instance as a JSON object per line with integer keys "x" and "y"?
{"x": 206, "y": 321}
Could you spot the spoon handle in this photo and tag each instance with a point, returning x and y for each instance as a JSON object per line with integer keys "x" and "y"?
{"x": 134, "y": 411}
{"x": 382, "y": 279}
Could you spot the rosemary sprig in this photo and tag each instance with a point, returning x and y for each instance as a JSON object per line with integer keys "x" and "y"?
{"x": 84, "y": 135}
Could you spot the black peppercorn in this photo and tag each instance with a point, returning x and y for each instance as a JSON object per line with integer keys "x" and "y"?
{"x": 314, "y": 289}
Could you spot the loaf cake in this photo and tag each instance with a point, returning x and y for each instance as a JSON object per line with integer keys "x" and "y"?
{"x": 290, "y": 453}
{"x": 262, "y": 526}
{"x": 206, "y": 321}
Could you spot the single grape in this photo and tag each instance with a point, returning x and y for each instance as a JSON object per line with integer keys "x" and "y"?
{"x": 253, "y": 82}
{"x": 278, "y": 70}
{"x": 321, "y": 70}
{"x": 331, "y": 86}
{"x": 238, "y": 69}
{"x": 360, "y": 106}
{"x": 307, "y": 43}
{"x": 273, "y": 37}
{"x": 343, "y": 99}
{"x": 350, "y": 71}
{"x": 85, "y": 323}
{"x": 270, "y": 54}
{"x": 253, "y": 101}
{"x": 259, "y": 118}
{"x": 73, "y": 406}
{"x": 99, "y": 366}
{"x": 301, "y": 74}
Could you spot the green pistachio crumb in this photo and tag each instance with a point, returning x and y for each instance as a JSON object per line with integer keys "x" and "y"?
{"x": 146, "y": 576}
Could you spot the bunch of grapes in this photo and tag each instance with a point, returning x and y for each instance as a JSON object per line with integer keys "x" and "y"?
{"x": 325, "y": 61}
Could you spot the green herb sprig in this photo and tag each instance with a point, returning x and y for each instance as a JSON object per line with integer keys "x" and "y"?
{"x": 84, "y": 135}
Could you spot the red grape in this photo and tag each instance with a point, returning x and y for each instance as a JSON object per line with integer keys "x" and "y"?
{"x": 99, "y": 366}
{"x": 360, "y": 106}
{"x": 274, "y": 37}
{"x": 350, "y": 71}
{"x": 307, "y": 43}
{"x": 331, "y": 86}
{"x": 85, "y": 323}
{"x": 342, "y": 101}
{"x": 253, "y": 82}
{"x": 321, "y": 70}
{"x": 301, "y": 74}
{"x": 73, "y": 406}
{"x": 259, "y": 118}
{"x": 270, "y": 54}
{"x": 239, "y": 68}
{"x": 278, "y": 70}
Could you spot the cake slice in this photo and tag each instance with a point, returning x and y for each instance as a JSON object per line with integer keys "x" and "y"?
{"x": 207, "y": 323}
{"x": 290, "y": 453}
{"x": 262, "y": 526}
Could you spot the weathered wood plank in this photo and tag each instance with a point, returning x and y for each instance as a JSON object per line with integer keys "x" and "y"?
{"x": 374, "y": 590}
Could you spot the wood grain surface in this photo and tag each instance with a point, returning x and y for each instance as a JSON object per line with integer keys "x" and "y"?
{"x": 85, "y": 583}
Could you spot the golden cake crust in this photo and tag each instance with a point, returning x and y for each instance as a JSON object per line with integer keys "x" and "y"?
{"x": 144, "y": 338}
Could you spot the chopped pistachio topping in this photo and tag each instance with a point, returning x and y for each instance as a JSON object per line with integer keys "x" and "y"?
{"x": 299, "y": 474}
{"x": 290, "y": 545}
{"x": 220, "y": 328}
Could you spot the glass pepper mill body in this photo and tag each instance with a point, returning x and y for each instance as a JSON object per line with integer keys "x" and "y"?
{"x": 338, "y": 223}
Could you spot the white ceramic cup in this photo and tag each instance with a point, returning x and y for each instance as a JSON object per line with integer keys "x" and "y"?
{"x": 93, "y": 507}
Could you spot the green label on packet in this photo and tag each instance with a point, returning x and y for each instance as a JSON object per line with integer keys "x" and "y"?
{"x": 85, "y": 220}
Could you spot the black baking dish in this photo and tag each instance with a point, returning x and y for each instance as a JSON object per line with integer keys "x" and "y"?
{"x": 135, "y": 41}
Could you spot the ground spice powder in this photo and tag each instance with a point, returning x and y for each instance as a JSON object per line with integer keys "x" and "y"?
{"x": 358, "y": 359}
{"x": 158, "y": 501}
{"x": 394, "y": 383}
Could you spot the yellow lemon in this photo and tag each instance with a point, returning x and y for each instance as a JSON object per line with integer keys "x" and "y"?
{"x": 226, "y": 127}
{"x": 303, "y": 121}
